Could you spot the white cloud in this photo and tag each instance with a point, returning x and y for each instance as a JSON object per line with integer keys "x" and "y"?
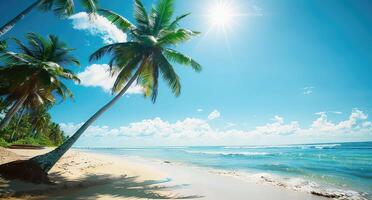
{"x": 214, "y": 115}
{"x": 195, "y": 131}
{"x": 98, "y": 26}
{"x": 199, "y": 110}
{"x": 323, "y": 124}
{"x": 230, "y": 124}
{"x": 278, "y": 127}
{"x": 98, "y": 75}
{"x": 189, "y": 127}
{"x": 308, "y": 90}
{"x": 158, "y": 128}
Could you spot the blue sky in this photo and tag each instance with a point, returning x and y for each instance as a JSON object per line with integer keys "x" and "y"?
{"x": 281, "y": 72}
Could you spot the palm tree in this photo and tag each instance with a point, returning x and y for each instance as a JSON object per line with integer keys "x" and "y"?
{"x": 31, "y": 78}
{"x": 143, "y": 58}
{"x": 40, "y": 120}
{"x": 62, "y": 8}
{"x": 55, "y": 134}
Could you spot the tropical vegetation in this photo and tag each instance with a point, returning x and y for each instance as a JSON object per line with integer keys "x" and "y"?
{"x": 32, "y": 77}
{"x": 62, "y": 8}
{"x": 31, "y": 128}
{"x": 142, "y": 59}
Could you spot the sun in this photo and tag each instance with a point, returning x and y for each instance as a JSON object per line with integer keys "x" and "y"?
{"x": 223, "y": 18}
{"x": 221, "y": 14}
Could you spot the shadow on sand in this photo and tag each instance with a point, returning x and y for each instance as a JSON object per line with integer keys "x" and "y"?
{"x": 91, "y": 187}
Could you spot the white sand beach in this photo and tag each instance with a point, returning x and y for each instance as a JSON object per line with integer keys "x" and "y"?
{"x": 80, "y": 175}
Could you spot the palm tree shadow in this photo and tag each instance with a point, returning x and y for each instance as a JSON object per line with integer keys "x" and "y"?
{"x": 93, "y": 186}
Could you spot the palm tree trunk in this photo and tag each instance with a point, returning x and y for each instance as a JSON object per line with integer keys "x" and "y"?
{"x": 48, "y": 160}
{"x": 8, "y": 26}
{"x": 9, "y": 115}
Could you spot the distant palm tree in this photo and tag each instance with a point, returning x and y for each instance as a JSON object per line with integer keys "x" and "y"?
{"x": 143, "y": 58}
{"x": 40, "y": 120}
{"x": 62, "y": 8}
{"x": 32, "y": 77}
{"x": 56, "y": 135}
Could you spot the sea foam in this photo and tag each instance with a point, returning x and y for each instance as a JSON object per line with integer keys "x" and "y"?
{"x": 223, "y": 153}
{"x": 297, "y": 184}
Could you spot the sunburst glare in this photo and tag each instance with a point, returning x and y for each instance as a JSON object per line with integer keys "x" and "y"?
{"x": 221, "y": 14}
{"x": 222, "y": 17}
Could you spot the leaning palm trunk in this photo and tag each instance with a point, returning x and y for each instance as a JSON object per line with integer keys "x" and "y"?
{"x": 48, "y": 160}
{"x": 8, "y": 26}
{"x": 17, "y": 105}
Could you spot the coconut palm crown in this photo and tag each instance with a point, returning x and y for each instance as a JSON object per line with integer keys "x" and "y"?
{"x": 33, "y": 76}
{"x": 149, "y": 49}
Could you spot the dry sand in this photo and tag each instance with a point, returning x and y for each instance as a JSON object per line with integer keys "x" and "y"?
{"x": 81, "y": 175}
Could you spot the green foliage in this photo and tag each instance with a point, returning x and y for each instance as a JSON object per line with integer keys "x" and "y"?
{"x": 35, "y": 128}
{"x": 27, "y": 140}
{"x": 3, "y": 143}
{"x": 148, "y": 53}
{"x": 65, "y": 8}
{"x": 3, "y": 45}
{"x": 36, "y": 71}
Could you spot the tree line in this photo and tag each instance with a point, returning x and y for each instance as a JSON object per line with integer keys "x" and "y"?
{"x": 33, "y": 128}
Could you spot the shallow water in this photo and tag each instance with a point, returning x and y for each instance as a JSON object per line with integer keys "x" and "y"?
{"x": 345, "y": 166}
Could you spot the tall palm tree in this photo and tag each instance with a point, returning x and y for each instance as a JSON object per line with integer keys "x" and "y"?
{"x": 143, "y": 58}
{"x": 32, "y": 77}
{"x": 62, "y": 8}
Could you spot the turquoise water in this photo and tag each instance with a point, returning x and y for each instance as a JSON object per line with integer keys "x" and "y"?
{"x": 346, "y": 166}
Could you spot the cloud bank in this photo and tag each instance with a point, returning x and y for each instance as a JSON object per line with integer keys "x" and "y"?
{"x": 197, "y": 131}
{"x": 98, "y": 26}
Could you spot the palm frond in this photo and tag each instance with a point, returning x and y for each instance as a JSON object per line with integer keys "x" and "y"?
{"x": 161, "y": 15}
{"x": 64, "y": 8}
{"x": 91, "y": 6}
{"x": 173, "y": 25}
{"x": 104, "y": 51}
{"x": 155, "y": 84}
{"x": 11, "y": 58}
{"x": 182, "y": 59}
{"x": 169, "y": 75}
{"x": 63, "y": 91}
{"x": 23, "y": 47}
{"x": 46, "y": 5}
{"x": 68, "y": 74}
{"x": 176, "y": 37}
{"x": 37, "y": 44}
{"x": 3, "y": 45}
{"x": 122, "y": 55}
{"x": 119, "y": 21}
{"x": 125, "y": 73}
{"x": 148, "y": 78}
{"x": 141, "y": 17}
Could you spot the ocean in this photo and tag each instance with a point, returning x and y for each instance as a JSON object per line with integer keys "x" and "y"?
{"x": 341, "y": 170}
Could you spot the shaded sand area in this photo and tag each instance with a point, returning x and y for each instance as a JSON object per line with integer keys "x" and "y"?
{"x": 80, "y": 175}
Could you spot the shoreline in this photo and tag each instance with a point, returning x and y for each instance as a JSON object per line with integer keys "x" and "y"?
{"x": 287, "y": 183}
{"x": 89, "y": 175}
